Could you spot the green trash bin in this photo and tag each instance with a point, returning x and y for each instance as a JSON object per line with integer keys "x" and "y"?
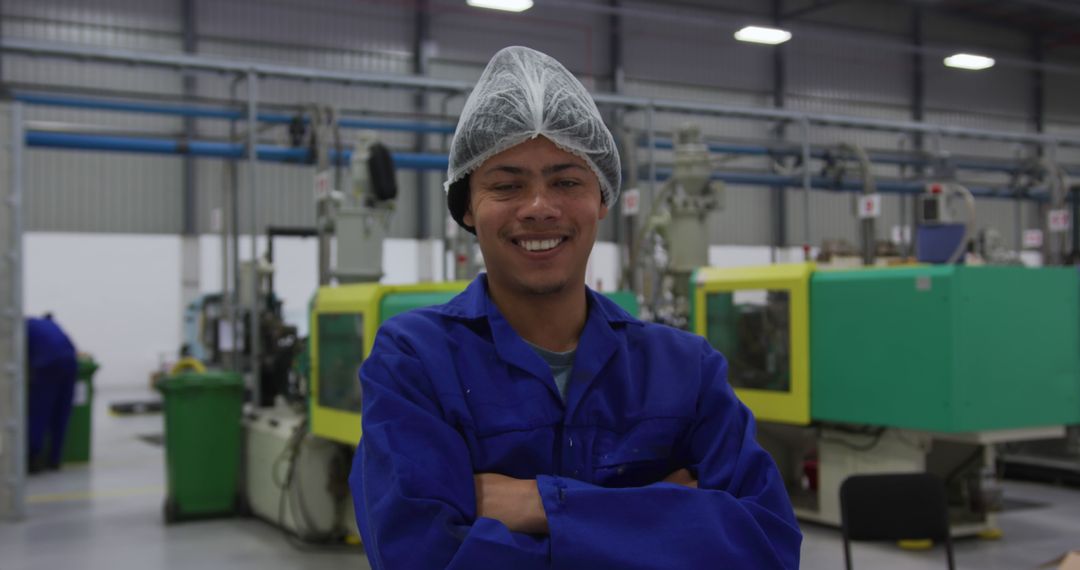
{"x": 202, "y": 444}
{"x": 78, "y": 435}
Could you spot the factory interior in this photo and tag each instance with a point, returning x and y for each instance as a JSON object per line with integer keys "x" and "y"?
{"x": 867, "y": 206}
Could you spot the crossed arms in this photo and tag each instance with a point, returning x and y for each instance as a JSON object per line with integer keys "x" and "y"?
{"x": 419, "y": 504}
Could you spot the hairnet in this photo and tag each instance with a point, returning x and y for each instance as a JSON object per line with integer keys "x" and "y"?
{"x": 523, "y": 94}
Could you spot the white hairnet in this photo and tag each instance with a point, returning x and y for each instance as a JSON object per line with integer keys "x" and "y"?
{"x": 523, "y": 94}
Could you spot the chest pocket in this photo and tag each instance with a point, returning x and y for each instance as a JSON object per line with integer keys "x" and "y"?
{"x": 645, "y": 454}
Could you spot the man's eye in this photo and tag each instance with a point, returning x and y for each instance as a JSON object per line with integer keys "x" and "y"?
{"x": 568, "y": 183}
{"x": 504, "y": 187}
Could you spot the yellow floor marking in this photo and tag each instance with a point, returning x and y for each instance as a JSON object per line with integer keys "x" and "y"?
{"x": 93, "y": 495}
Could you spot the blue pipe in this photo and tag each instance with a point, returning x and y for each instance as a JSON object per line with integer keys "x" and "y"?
{"x": 194, "y": 111}
{"x": 204, "y": 112}
{"x": 405, "y": 160}
{"x": 371, "y": 124}
{"x": 880, "y": 158}
{"x": 823, "y": 183}
{"x": 211, "y": 149}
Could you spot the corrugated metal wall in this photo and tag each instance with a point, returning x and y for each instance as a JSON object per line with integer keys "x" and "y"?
{"x": 679, "y": 56}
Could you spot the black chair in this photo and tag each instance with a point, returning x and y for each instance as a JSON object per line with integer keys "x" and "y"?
{"x": 894, "y": 506}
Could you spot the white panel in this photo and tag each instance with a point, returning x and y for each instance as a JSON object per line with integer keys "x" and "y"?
{"x": 749, "y": 256}
{"x": 604, "y": 268}
{"x": 123, "y": 307}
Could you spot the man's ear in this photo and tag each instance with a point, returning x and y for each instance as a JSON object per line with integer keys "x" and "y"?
{"x": 467, "y": 217}
{"x": 603, "y": 211}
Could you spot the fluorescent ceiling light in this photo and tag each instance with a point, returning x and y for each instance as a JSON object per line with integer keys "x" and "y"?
{"x": 969, "y": 61}
{"x": 759, "y": 35}
{"x": 506, "y": 5}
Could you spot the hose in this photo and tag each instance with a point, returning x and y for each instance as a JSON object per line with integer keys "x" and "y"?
{"x": 969, "y": 200}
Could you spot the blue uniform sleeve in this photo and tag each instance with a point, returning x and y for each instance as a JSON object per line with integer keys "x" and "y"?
{"x": 739, "y": 517}
{"x": 412, "y": 479}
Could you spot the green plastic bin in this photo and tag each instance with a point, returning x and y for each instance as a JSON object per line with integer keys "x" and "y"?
{"x": 78, "y": 435}
{"x": 202, "y": 444}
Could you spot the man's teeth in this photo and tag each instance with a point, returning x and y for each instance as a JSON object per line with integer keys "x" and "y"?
{"x": 540, "y": 244}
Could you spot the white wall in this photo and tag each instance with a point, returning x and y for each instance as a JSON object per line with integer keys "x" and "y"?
{"x": 602, "y": 272}
{"x": 296, "y": 268}
{"x": 753, "y": 255}
{"x": 118, "y": 295}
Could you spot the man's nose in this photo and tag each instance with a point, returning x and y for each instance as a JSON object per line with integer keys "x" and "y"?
{"x": 541, "y": 203}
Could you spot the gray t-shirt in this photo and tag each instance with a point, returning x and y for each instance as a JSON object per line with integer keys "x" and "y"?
{"x": 561, "y": 364}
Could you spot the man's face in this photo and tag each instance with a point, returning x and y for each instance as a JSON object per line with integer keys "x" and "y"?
{"x": 536, "y": 209}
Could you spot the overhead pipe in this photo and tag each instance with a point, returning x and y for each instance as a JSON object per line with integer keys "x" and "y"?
{"x": 406, "y": 160}
{"x": 207, "y": 63}
{"x": 212, "y": 149}
{"x": 412, "y": 161}
{"x": 224, "y": 113}
{"x": 220, "y": 113}
{"x": 897, "y": 159}
{"x": 825, "y": 183}
{"x": 218, "y": 64}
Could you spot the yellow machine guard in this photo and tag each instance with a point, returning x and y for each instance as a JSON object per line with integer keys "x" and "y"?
{"x": 366, "y": 299}
{"x": 793, "y": 406}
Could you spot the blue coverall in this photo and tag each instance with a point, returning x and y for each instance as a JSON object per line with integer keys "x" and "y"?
{"x": 53, "y": 368}
{"x": 451, "y": 391}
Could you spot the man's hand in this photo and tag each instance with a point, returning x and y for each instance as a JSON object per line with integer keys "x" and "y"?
{"x": 681, "y": 477}
{"x": 514, "y": 502}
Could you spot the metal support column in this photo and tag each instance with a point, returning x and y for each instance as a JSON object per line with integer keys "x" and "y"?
{"x": 625, "y": 147}
{"x": 805, "y": 124}
{"x": 778, "y": 194}
{"x": 12, "y": 336}
{"x": 421, "y": 38}
{"x": 230, "y": 276}
{"x": 1038, "y": 99}
{"x": 918, "y": 113}
{"x": 253, "y": 202}
{"x": 425, "y": 258}
{"x": 189, "y": 239}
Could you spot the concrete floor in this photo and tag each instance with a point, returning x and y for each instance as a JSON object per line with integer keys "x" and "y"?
{"x": 108, "y": 515}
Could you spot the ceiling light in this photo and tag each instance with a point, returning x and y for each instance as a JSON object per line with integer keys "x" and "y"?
{"x": 969, "y": 61}
{"x": 759, "y": 35}
{"x": 506, "y": 5}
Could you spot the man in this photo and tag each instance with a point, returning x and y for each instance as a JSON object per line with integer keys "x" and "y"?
{"x": 53, "y": 369}
{"x": 530, "y": 422}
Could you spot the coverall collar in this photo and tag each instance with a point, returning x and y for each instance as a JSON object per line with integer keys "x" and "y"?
{"x": 597, "y": 344}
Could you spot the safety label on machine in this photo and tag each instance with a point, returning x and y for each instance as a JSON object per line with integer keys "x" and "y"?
{"x": 631, "y": 202}
{"x": 1059, "y": 220}
{"x": 869, "y": 206}
{"x": 322, "y": 185}
{"x": 901, "y": 234}
{"x": 1032, "y": 239}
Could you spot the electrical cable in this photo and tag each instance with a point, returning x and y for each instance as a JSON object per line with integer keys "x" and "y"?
{"x": 876, "y": 435}
{"x": 969, "y": 201}
{"x": 300, "y": 540}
